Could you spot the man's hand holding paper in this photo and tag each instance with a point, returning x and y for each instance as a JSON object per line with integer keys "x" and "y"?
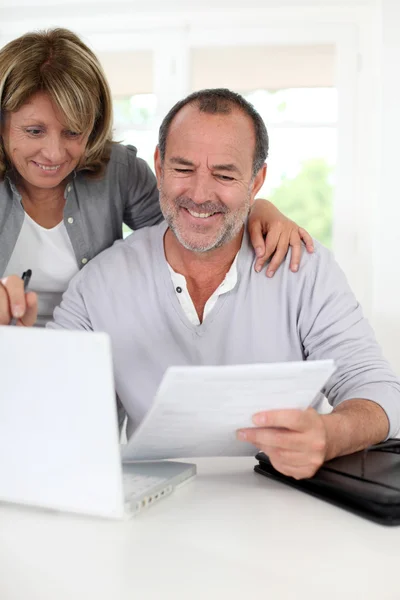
{"x": 197, "y": 410}
{"x": 298, "y": 442}
{"x": 294, "y": 440}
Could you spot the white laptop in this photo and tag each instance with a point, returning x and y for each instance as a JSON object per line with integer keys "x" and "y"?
{"x": 59, "y": 437}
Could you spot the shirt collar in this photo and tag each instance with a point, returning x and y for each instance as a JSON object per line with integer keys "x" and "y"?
{"x": 229, "y": 282}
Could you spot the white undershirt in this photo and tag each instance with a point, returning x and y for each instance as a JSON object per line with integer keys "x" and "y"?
{"x": 49, "y": 253}
{"x": 186, "y": 302}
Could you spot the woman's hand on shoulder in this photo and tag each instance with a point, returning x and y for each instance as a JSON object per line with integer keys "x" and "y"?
{"x": 15, "y": 304}
{"x": 272, "y": 233}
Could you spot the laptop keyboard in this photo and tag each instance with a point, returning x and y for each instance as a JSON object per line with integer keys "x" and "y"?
{"x": 136, "y": 485}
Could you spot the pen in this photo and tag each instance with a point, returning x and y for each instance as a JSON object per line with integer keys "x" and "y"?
{"x": 26, "y": 277}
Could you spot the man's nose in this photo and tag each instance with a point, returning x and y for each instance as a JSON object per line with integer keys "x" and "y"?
{"x": 202, "y": 187}
{"x": 53, "y": 149}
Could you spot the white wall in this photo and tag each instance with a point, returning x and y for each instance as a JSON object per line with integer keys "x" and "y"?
{"x": 103, "y": 17}
{"x": 385, "y": 233}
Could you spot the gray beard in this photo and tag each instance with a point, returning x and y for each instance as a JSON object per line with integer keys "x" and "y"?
{"x": 228, "y": 231}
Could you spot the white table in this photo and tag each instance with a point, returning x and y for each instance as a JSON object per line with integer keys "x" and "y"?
{"x": 228, "y": 534}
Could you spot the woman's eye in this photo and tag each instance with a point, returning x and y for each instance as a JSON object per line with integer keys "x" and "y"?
{"x": 34, "y": 132}
{"x": 72, "y": 134}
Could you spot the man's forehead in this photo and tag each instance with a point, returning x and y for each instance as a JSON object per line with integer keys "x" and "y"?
{"x": 222, "y": 136}
{"x": 236, "y": 120}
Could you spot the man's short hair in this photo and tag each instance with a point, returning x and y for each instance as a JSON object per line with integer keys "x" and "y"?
{"x": 220, "y": 101}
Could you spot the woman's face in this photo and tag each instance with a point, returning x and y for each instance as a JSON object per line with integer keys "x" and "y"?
{"x": 39, "y": 145}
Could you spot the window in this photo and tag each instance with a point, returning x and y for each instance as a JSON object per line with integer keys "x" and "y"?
{"x": 130, "y": 74}
{"x": 302, "y": 129}
{"x": 292, "y": 87}
{"x": 136, "y": 123}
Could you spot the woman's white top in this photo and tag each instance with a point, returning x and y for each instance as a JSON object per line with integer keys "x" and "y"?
{"x": 49, "y": 253}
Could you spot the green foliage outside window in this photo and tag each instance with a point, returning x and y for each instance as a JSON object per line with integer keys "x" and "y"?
{"x": 307, "y": 198}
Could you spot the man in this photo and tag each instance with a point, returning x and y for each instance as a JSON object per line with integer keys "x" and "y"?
{"x": 185, "y": 293}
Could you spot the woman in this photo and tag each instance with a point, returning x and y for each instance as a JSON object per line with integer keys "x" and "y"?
{"x": 65, "y": 188}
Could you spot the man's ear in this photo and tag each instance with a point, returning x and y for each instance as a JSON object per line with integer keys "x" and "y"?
{"x": 258, "y": 181}
{"x": 158, "y": 166}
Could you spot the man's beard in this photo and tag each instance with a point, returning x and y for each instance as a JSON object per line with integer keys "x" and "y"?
{"x": 230, "y": 227}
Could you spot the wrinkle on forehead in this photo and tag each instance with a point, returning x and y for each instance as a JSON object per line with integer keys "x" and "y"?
{"x": 186, "y": 162}
{"x": 226, "y": 166}
{"x": 212, "y": 138}
{"x": 229, "y": 159}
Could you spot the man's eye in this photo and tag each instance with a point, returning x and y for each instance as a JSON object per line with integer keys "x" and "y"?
{"x": 225, "y": 178}
{"x": 183, "y": 171}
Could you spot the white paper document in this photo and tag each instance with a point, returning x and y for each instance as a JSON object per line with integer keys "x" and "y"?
{"x": 197, "y": 410}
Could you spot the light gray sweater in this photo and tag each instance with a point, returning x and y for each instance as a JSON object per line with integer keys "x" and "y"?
{"x": 127, "y": 291}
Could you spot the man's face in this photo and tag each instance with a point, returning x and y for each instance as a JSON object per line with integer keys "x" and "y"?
{"x": 206, "y": 182}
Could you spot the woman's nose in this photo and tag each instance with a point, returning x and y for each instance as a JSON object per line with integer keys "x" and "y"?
{"x": 53, "y": 149}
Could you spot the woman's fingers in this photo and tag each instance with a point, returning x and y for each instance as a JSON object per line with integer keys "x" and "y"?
{"x": 30, "y": 315}
{"x": 14, "y": 303}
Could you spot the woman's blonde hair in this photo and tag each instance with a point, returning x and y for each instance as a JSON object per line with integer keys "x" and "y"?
{"x": 59, "y": 64}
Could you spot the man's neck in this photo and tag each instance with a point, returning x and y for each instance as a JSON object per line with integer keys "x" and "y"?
{"x": 200, "y": 266}
{"x": 203, "y": 271}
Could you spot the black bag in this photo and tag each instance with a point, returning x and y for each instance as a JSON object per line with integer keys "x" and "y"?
{"x": 366, "y": 483}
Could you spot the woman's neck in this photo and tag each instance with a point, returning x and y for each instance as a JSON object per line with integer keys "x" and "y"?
{"x": 45, "y": 206}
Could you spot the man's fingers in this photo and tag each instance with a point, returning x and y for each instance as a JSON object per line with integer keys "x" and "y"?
{"x": 276, "y": 439}
{"x": 291, "y": 458}
{"x": 13, "y": 301}
{"x": 30, "y": 315}
{"x": 307, "y": 239}
{"x": 291, "y": 418}
{"x": 297, "y": 472}
{"x": 295, "y": 440}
